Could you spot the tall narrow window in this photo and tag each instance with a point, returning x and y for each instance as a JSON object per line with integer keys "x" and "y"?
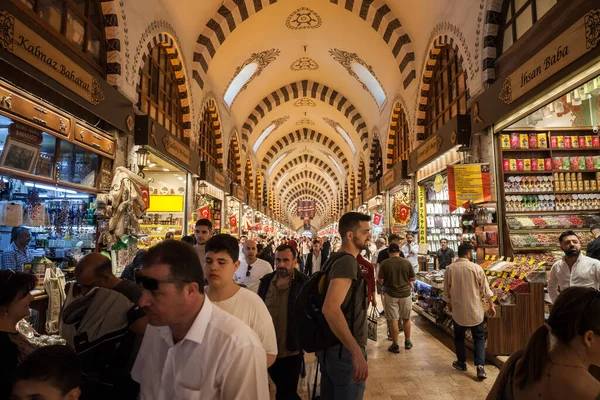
{"x": 159, "y": 93}
{"x": 399, "y": 133}
{"x": 248, "y": 177}
{"x": 232, "y": 169}
{"x": 207, "y": 136}
{"x": 78, "y": 23}
{"x": 448, "y": 94}
{"x": 519, "y": 16}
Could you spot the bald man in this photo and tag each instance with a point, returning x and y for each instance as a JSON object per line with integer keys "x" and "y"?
{"x": 95, "y": 270}
{"x": 251, "y": 269}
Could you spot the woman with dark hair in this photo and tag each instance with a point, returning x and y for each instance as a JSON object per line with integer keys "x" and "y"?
{"x": 14, "y": 306}
{"x": 562, "y": 371}
{"x": 50, "y": 373}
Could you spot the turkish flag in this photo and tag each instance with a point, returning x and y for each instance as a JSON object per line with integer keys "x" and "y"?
{"x": 258, "y": 227}
{"x": 377, "y": 219}
{"x": 233, "y": 221}
{"x": 204, "y": 212}
{"x": 404, "y": 213}
{"x": 146, "y": 196}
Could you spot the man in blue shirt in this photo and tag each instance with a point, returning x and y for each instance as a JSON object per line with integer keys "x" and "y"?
{"x": 17, "y": 254}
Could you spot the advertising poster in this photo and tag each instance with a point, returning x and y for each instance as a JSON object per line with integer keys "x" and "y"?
{"x": 468, "y": 182}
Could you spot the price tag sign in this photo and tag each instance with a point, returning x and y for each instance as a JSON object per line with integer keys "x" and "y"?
{"x": 542, "y": 264}
{"x": 522, "y": 276}
{"x": 487, "y": 257}
{"x": 495, "y": 283}
{"x": 505, "y": 275}
{"x": 507, "y": 288}
{"x": 523, "y": 260}
{"x": 513, "y": 274}
{"x": 507, "y": 259}
{"x": 531, "y": 262}
{"x": 494, "y": 299}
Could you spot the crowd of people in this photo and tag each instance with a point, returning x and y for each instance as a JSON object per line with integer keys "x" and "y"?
{"x": 214, "y": 317}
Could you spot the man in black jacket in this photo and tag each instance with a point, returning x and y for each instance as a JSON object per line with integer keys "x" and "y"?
{"x": 279, "y": 291}
{"x": 315, "y": 259}
{"x": 593, "y": 248}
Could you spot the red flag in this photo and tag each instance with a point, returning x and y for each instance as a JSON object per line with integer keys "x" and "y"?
{"x": 146, "y": 196}
{"x": 377, "y": 219}
{"x": 258, "y": 227}
{"x": 404, "y": 212}
{"x": 204, "y": 212}
{"x": 233, "y": 221}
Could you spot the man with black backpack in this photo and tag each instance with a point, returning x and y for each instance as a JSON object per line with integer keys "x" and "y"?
{"x": 341, "y": 328}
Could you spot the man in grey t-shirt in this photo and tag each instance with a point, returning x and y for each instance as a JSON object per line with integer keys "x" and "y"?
{"x": 397, "y": 275}
{"x": 344, "y": 368}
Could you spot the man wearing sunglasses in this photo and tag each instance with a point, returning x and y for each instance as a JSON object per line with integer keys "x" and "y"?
{"x": 202, "y": 232}
{"x": 252, "y": 268}
{"x": 191, "y": 348}
{"x": 219, "y": 267}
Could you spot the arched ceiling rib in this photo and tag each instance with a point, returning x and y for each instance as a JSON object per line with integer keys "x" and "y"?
{"x": 312, "y": 90}
{"x": 304, "y": 186}
{"x": 292, "y": 203}
{"x": 375, "y": 13}
{"x": 306, "y": 176}
{"x": 307, "y": 159}
{"x": 307, "y": 136}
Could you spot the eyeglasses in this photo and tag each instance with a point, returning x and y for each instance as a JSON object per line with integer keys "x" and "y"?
{"x": 248, "y": 271}
{"x": 151, "y": 284}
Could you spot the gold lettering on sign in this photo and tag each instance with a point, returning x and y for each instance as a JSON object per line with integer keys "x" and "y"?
{"x": 176, "y": 149}
{"x": 428, "y": 149}
{"x": 388, "y": 178}
{"x": 18, "y": 39}
{"x": 573, "y": 43}
{"x": 219, "y": 179}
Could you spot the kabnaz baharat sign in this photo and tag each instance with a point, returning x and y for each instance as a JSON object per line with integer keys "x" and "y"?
{"x": 579, "y": 39}
{"x": 33, "y": 49}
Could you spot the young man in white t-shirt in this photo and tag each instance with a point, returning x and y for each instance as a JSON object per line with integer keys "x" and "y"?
{"x": 219, "y": 267}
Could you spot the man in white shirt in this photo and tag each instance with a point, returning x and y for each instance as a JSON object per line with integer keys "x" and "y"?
{"x": 219, "y": 267}
{"x": 379, "y": 245}
{"x": 192, "y": 349}
{"x": 252, "y": 268}
{"x": 410, "y": 251}
{"x": 574, "y": 269}
{"x": 202, "y": 232}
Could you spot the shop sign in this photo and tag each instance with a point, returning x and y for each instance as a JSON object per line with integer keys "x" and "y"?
{"x": 455, "y": 132}
{"x": 219, "y": 179}
{"x": 21, "y": 41}
{"x": 422, "y": 216}
{"x": 572, "y": 44}
{"x": 177, "y": 149}
{"x": 389, "y": 178}
{"x": 370, "y": 192}
{"x": 468, "y": 182}
{"x": 25, "y": 133}
{"x": 238, "y": 192}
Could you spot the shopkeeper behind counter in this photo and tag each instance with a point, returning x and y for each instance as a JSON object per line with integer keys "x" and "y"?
{"x": 17, "y": 253}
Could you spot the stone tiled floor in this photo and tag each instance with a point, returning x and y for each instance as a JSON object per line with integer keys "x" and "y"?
{"x": 424, "y": 372}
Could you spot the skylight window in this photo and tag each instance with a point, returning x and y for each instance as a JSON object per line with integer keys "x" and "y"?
{"x": 240, "y": 80}
{"x": 282, "y": 178}
{"x": 263, "y": 136}
{"x": 370, "y": 81}
{"x": 344, "y": 134}
{"x": 336, "y": 164}
{"x": 281, "y": 157}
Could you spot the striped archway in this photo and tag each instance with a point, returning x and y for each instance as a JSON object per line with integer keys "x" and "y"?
{"x": 434, "y": 50}
{"x": 375, "y": 160}
{"x": 375, "y": 13}
{"x": 234, "y": 159}
{"x": 210, "y": 114}
{"x": 166, "y": 41}
{"x": 398, "y": 135}
{"x": 113, "y": 42}
{"x": 362, "y": 177}
{"x": 305, "y": 159}
{"x": 292, "y": 194}
{"x": 249, "y": 177}
{"x": 300, "y": 135}
{"x": 307, "y": 176}
{"x": 306, "y": 88}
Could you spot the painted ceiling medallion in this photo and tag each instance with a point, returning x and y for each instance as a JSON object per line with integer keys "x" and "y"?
{"x": 303, "y": 18}
{"x": 305, "y": 121}
{"x": 305, "y": 102}
{"x": 304, "y": 64}
{"x": 259, "y": 61}
{"x": 353, "y": 63}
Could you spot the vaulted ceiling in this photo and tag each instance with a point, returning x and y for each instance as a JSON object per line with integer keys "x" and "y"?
{"x": 307, "y": 115}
